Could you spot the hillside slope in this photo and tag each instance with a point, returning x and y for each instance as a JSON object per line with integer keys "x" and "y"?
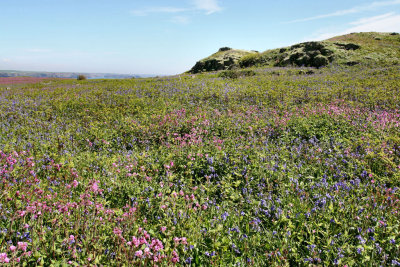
{"x": 350, "y": 49}
{"x": 225, "y": 58}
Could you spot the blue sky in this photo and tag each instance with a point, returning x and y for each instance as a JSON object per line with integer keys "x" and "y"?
{"x": 168, "y": 37}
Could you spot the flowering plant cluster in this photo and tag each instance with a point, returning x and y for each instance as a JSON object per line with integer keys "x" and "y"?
{"x": 268, "y": 170}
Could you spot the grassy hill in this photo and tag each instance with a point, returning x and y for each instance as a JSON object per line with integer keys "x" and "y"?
{"x": 350, "y": 49}
{"x": 221, "y": 60}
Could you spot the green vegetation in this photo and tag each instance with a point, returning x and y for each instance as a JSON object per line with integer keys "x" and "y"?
{"x": 81, "y": 77}
{"x": 234, "y": 74}
{"x": 268, "y": 166}
{"x": 351, "y": 49}
{"x": 224, "y": 59}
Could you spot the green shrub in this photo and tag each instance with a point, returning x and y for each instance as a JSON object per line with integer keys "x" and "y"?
{"x": 81, "y": 77}
{"x": 231, "y": 74}
{"x": 234, "y": 74}
{"x": 249, "y": 60}
{"x": 247, "y": 73}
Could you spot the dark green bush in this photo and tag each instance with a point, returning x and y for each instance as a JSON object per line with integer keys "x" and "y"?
{"x": 81, "y": 77}
{"x": 249, "y": 60}
{"x": 231, "y": 74}
{"x": 222, "y": 49}
{"x": 247, "y": 73}
{"x": 234, "y": 74}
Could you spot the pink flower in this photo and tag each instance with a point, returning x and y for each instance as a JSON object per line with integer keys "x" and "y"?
{"x": 156, "y": 245}
{"x": 176, "y": 240}
{"x": 22, "y": 213}
{"x": 156, "y": 259}
{"x": 95, "y": 187}
{"x": 175, "y": 257}
{"x": 147, "y": 252}
{"x": 13, "y": 248}
{"x": 146, "y": 235}
{"x": 135, "y": 241}
{"x": 184, "y": 240}
{"x": 3, "y": 258}
{"x": 163, "y": 229}
{"x": 139, "y": 253}
{"x": 142, "y": 240}
{"x": 117, "y": 231}
{"x": 75, "y": 183}
{"x": 22, "y": 245}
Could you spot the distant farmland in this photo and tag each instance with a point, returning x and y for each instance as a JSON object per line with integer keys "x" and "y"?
{"x": 21, "y": 80}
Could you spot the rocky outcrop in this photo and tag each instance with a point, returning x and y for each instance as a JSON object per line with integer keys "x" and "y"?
{"x": 226, "y": 58}
{"x": 223, "y": 49}
{"x": 309, "y": 54}
{"x": 346, "y": 50}
{"x": 348, "y": 46}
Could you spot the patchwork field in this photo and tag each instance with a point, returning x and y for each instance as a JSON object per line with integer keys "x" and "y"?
{"x": 288, "y": 167}
{"x": 23, "y": 80}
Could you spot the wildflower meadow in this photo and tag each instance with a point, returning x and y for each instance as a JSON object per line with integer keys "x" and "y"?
{"x": 287, "y": 167}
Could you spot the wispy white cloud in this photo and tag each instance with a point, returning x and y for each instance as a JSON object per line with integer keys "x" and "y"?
{"x": 353, "y": 10}
{"x": 5, "y": 60}
{"x": 206, "y": 6}
{"x": 151, "y": 10}
{"x": 369, "y": 20}
{"x": 389, "y": 22}
{"x": 209, "y": 6}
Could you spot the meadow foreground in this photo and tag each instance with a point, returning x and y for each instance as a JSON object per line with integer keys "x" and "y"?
{"x": 284, "y": 168}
